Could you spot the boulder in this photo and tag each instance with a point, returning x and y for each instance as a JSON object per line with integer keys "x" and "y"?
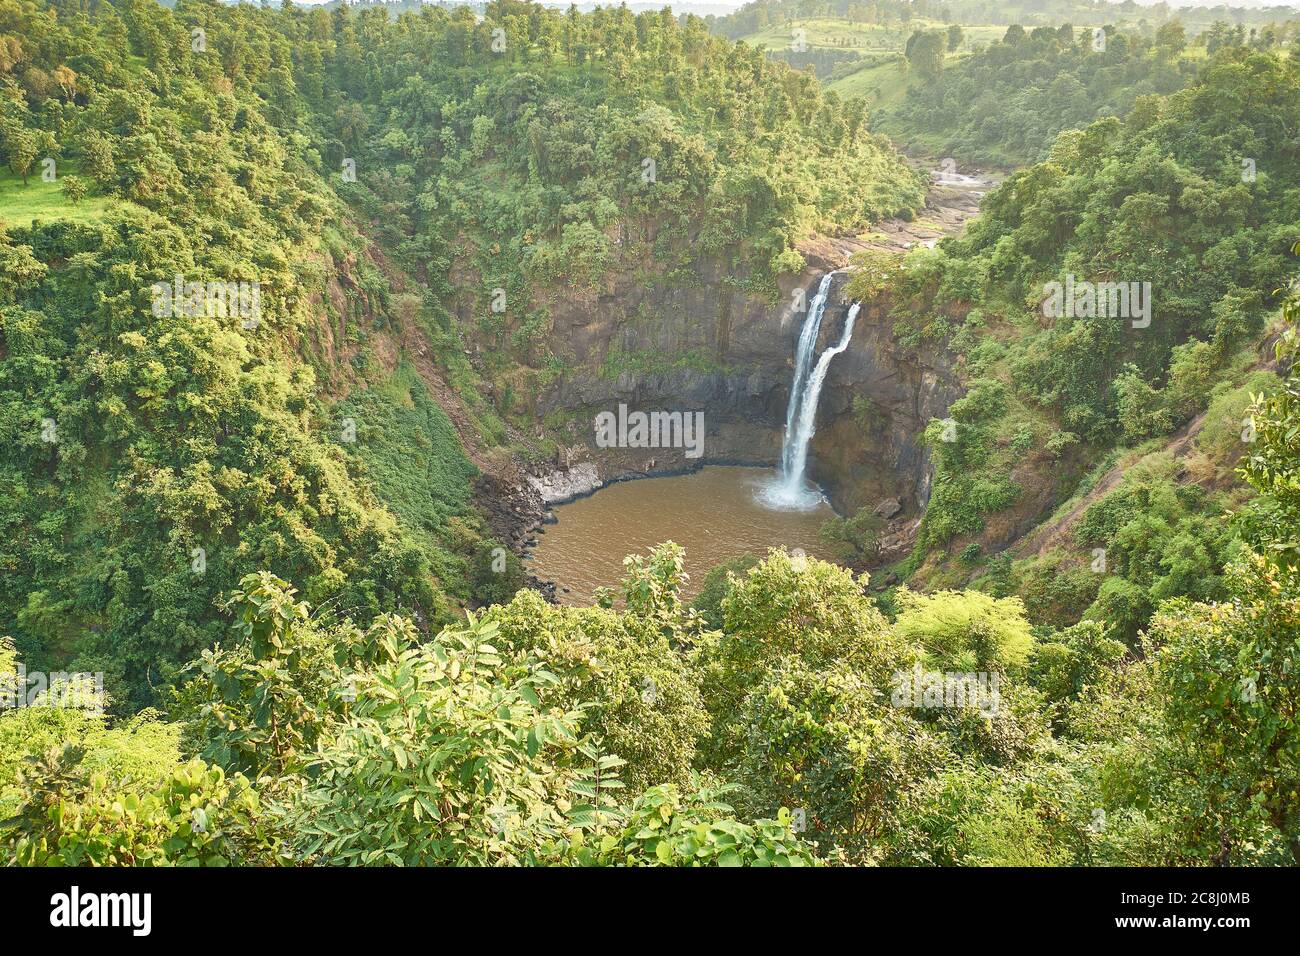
{"x": 888, "y": 509}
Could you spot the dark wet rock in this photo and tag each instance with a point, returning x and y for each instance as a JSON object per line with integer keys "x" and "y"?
{"x": 545, "y": 588}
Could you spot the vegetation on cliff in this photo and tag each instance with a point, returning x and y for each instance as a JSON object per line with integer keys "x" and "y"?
{"x": 1138, "y": 418}
{"x": 153, "y": 457}
{"x": 257, "y": 523}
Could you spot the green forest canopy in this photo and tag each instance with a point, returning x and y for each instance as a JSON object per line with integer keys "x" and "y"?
{"x": 166, "y": 476}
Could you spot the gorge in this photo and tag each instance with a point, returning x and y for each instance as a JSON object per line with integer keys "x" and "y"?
{"x": 717, "y": 514}
{"x": 361, "y": 576}
{"x": 820, "y": 404}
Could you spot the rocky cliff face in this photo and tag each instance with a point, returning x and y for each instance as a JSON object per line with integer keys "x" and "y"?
{"x": 702, "y": 347}
{"x": 876, "y": 403}
{"x": 699, "y": 344}
{"x": 731, "y": 357}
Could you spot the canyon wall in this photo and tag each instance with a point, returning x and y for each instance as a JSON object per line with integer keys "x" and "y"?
{"x": 706, "y": 346}
{"x": 878, "y": 398}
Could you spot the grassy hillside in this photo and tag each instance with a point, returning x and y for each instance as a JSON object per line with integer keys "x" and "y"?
{"x": 21, "y": 204}
{"x": 760, "y": 15}
{"x": 835, "y": 48}
{"x": 883, "y": 83}
{"x": 845, "y": 34}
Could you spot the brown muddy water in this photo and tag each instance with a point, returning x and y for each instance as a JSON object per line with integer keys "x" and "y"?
{"x": 715, "y": 513}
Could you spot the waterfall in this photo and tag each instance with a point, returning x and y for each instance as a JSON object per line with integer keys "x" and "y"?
{"x": 802, "y": 362}
{"x": 793, "y": 476}
{"x": 789, "y": 490}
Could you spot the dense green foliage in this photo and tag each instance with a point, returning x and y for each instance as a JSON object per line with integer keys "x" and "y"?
{"x": 474, "y": 748}
{"x": 1158, "y": 197}
{"x": 167, "y": 474}
{"x": 868, "y": 48}
{"x": 572, "y": 146}
{"x": 1006, "y": 103}
{"x": 152, "y": 460}
{"x": 629, "y": 670}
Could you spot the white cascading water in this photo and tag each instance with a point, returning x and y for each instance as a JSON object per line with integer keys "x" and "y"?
{"x": 791, "y": 490}
{"x": 803, "y": 354}
{"x": 806, "y": 426}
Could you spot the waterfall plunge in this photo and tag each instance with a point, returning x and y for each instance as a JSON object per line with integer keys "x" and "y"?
{"x": 791, "y": 489}
{"x": 802, "y": 363}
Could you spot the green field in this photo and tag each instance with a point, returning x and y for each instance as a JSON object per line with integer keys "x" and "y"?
{"x": 20, "y": 205}
{"x": 843, "y": 34}
{"x": 835, "y": 34}
{"x": 881, "y": 85}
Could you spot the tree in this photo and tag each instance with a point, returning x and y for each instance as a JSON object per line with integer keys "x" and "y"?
{"x": 1229, "y": 676}
{"x": 447, "y": 756}
{"x": 1171, "y": 37}
{"x": 628, "y": 671}
{"x": 79, "y": 789}
{"x": 1274, "y": 462}
{"x": 668, "y": 827}
{"x": 74, "y": 189}
{"x": 967, "y": 630}
{"x": 825, "y": 742}
{"x": 789, "y": 608}
{"x": 98, "y": 152}
{"x": 925, "y": 51}
{"x": 20, "y": 146}
{"x": 1074, "y": 659}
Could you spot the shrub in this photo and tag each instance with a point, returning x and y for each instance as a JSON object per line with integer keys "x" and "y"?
{"x": 966, "y": 630}
{"x": 789, "y": 608}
